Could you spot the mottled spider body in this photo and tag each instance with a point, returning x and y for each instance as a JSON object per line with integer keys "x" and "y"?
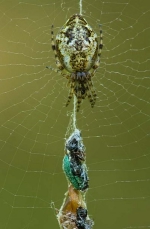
{"x": 77, "y": 45}
{"x": 77, "y": 54}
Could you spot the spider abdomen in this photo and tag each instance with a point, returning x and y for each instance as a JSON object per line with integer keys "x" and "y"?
{"x": 77, "y": 45}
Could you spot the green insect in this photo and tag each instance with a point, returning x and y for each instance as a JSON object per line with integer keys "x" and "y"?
{"x": 76, "y": 172}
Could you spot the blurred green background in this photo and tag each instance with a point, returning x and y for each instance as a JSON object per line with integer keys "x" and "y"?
{"x": 34, "y": 121}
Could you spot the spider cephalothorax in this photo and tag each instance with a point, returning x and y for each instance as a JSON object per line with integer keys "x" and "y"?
{"x": 77, "y": 54}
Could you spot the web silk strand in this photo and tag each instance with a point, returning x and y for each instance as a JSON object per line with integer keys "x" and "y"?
{"x": 74, "y": 113}
{"x": 75, "y": 100}
{"x": 80, "y": 5}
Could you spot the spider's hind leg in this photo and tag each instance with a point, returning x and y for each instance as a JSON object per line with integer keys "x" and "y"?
{"x": 79, "y": 96}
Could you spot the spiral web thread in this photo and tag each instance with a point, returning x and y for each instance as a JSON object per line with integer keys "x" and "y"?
{"x": 73, "y": 212}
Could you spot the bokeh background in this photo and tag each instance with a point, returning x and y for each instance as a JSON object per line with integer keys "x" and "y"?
{"x": 34, "y": 121}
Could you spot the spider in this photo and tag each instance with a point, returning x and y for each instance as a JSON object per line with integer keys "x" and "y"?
{"x": 77, "y": 55}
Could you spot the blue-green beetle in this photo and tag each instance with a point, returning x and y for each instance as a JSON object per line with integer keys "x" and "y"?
{"x": 76, "y": 172}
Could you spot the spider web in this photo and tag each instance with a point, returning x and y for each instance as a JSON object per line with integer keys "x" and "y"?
{"x": 34, "y": 121}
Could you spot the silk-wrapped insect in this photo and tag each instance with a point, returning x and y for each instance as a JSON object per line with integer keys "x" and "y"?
{"x": 76, "y": 172}
{"x": 82, "y": 219}
{"x": 73, "y": 212}
{"x": 75, "y": 146}
{"x": 73, "y": 163}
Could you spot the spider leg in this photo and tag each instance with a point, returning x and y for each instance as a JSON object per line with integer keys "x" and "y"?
{"x": 59, "y": 72}
{"x": 79, "y": 97}
{"x": 101, "y": 44}
{"x": 89, "y": 95}
{"x": 83, "y": 90}
{"x": 59, "y": 65}
{"x": 91, "y": 88}
{"x": 84, "y": 95}
{"x": 97, "y": 62}
{"x": 71, "y": 92}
